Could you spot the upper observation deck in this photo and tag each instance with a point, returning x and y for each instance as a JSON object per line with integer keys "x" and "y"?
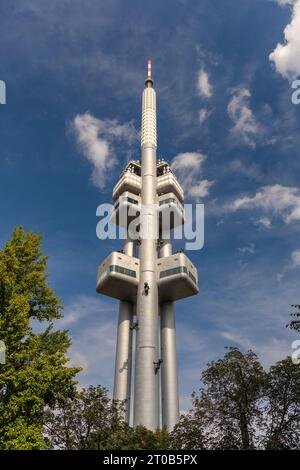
{"x": 167, "y": 181}
{"x": 130, "y": 180}
{"x": 128, "y": 208}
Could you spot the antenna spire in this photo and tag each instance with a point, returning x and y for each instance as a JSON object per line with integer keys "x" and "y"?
{"x": 149, "y": 81}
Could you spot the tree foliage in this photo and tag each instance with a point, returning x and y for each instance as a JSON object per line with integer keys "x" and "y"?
{"x": 295, "y": 323}
{"x": 89, "y": 421}
{"x": 228, "y": 405}
{"x": 241, "y": 406}
{"x": 189, "y": 433}
{"x": 92, "y": 421}
{"x": 35, "y": 373}
{"x": 282, "y": 409}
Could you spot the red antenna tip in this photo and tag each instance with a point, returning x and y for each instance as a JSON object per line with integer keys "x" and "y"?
{"x": 149, "y": 70}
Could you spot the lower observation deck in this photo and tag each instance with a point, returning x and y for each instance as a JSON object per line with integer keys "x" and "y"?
{"x": 177, "y": 278}
{"x": 118, "y": 277}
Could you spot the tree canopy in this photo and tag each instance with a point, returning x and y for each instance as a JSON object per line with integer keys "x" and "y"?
{"x": 239, "y": 404}
{"x": 227, "y": 408}
{"x": 242, "y": 406}
{"x": 92, "y": 421}
{"x": 35, "y": 373}
{"x": 295, "y": 323}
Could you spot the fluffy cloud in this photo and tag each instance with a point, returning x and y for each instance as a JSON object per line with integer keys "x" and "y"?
{"x": 286, "y": 56}
{"x": 295, "y": 258}
{"x": 249, "y": 170}
{"x": 245, "y": 126}
{"x": 200, "y": 190}
{"x": 293, "y": 263}
{"x": 92, "y": 324}
{"x": 203, "y": 85}
{"x": 264, "y": 222}
{"x": 268, "y": 352}
{"x": 279, "y": 200}
{"x": 203, "y": 115}
{"x": 188, "y": 160}
{"x": 93, "y": 349}
{"x": 286, "y": 2}
{"x": 188, "y": 167}
{"x": 96, "y": 139}
{"x": 249, "y": 249}
{"x": 83, "y": 306}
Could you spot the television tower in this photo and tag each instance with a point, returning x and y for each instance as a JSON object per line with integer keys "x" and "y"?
{"x": 147, "y": 278}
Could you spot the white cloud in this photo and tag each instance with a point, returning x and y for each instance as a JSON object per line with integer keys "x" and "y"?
{"x": 188, "y": 167}
{"x": 269, "y": 352}
{"x": 294, "y": 263}
{"x": 285, "y": 2}
{"x": 245, "y": 126}
{"x": 96, "y": 139}
{"x": 200, "y": 190}
{"x": 251, "y": 171}
{"x": 279, "y": 277}
{"x": 203, "y": 115}
{"x": 279, "y": 200}
{"x": 78, "y": 359}
{"x": 93, "y": 349}
{"x": 295, "y": 258}
{"x": 264, "y": 222}
{"x": 203, "y": 85}
{"x": 83, "y": 306}
{"x": 249, "y": 249}
{"x": 188, "y": 161}
{"x": 286, "y": 56}
{"x": 92, "y": 324}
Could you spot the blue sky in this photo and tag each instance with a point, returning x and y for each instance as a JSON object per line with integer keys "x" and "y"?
{"x": 74, "y": 72}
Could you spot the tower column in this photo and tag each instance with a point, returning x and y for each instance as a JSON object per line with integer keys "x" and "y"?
{"x": 146, "y": 398}
{"x": 123, "y": 363}
{"x": 146, "y": 287}
{"x": 169, "y": 376}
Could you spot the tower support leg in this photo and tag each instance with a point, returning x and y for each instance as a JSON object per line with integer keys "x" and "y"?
{"x": 169, "y": 378}
{"x": 123, "y": 363}
{"x": 122, "y": 383}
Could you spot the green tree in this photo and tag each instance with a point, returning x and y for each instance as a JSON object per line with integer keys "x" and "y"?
{"x": 188, "y": 434}
{"x": 228, "y": 408}
{"x": 140, "y": 438}
{"x": 295, "y": 324}
{"x": 35, "y": 373}
{"x": 91, "y": 420}
{"x": 282, "y": 406}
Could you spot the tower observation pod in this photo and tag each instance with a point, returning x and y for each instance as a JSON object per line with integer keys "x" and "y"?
{"x": 147, "y": 278}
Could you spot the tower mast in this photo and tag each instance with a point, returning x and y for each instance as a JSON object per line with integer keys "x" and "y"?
{"x": 146, "y": 390}
{"x": 147, "y": 285}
